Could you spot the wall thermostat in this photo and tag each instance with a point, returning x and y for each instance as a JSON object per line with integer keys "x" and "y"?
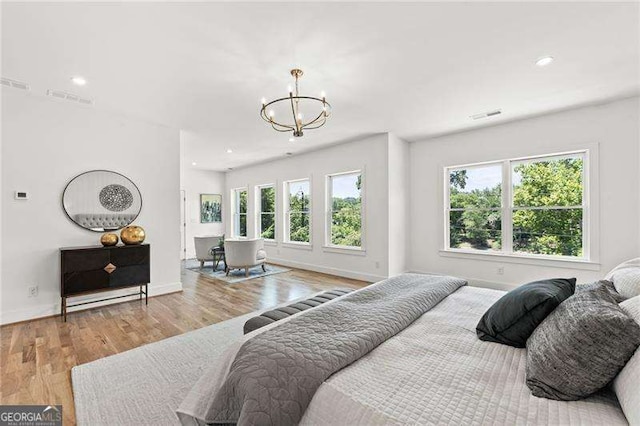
{"x": 21, "y": 195}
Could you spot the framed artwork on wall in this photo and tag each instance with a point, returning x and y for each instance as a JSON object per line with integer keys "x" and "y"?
{"x": 210, "y": 208}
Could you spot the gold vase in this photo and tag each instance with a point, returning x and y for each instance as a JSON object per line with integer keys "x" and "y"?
{"x": 108, "y": 240}
{"x": 132, "y": 235}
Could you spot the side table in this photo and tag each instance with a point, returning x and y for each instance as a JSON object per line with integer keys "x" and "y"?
{"x": 218, "y": 256}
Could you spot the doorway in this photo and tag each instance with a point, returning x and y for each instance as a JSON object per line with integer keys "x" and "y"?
{"x": 183, "y": 224}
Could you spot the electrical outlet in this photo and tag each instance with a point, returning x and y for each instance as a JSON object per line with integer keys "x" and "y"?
{"x": 500, "y": 270}
{"x": 33, "y": 291}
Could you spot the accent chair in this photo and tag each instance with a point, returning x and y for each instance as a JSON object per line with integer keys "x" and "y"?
{"x": 244, "y": 254}
{"x": 203, "y": 247}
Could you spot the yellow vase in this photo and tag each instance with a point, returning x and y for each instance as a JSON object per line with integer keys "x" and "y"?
{"x": 132, "y": 235}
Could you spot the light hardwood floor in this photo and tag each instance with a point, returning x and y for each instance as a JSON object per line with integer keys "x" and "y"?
{"x": 36, "y": 357}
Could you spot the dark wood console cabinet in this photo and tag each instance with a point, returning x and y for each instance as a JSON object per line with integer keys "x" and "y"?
{"x": 86, "y": 270}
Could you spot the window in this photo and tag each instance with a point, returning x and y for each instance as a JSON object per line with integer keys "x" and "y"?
{"x": 548, "y": 208}
{"x": 267, "y": 212}
{"x": 533, "y": 206}
{"x": 475, "y": 207}
{"x": 344, "y": 218}
{"x": 297, "y": 211}
{"x": 240, "y": 212}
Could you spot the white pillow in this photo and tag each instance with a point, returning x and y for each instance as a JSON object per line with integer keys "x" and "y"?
{"x": 626, "y": 278}
{"x": 626, "y": 384}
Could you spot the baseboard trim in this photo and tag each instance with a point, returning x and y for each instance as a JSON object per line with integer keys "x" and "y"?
{"x": 45, "y": 311}
{"x": 328, "y": 270}
{"x": 476, "y": 282}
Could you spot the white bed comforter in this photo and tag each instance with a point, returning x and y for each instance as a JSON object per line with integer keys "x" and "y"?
{"x": 438, "y": 372}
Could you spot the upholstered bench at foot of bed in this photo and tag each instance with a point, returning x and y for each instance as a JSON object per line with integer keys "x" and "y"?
{"x": 274, "y": 315}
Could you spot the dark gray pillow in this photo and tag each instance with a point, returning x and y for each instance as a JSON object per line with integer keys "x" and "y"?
{"x": 580, "y": 347}
{"x": 512, "y": 319}
{"x": 608, "y": 284}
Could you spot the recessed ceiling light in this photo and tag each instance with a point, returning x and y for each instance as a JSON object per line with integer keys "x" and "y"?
{"x": 229, "y": 151}
{"x": 291, "y": 139}
{"x": 544, "y": 61}
{"x": 78, "y": 81}
{"x": 194, "y": 164}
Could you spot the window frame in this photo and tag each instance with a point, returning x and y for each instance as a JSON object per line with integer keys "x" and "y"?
{"x": 328, "y": 245}
{"x": 507, "y": 208}
{"x": 259, "y": 212}
{"x": 235, "y": 225}
{"x": 286, "y": 214}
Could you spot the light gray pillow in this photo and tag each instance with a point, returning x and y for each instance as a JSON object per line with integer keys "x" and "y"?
{"x": 626, "y": 385}
{"x": 626, "y": 278}
{"x": 580, "y": 347}
{"x": 594, "y": 285}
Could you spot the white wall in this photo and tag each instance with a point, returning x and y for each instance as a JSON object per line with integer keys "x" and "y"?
{"x": 399, "y": 197}
{"x": 45, "y": 143}
{"x": 370, "y": 155}
{"x": 195, "y": 182}
{"x": 613, "y": 128}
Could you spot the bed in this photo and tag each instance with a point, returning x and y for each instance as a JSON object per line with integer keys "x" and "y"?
{"x": 434, "y": 371}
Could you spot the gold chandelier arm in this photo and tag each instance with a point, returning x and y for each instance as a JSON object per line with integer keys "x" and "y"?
{"x": 321, "y": 123}
{"x": 273, "y": 123}
{"x": 278, "y": 126}
{"x": 305, "y": 125}
{"x": 293, "y": 109}
{"x": 287, "y": 129}
{"x": 265, "y": 118}
{"x": 263, "y": 114}
{"x": 322, "y": 116}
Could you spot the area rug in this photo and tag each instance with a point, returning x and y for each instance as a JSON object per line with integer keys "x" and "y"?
{"x": 235, "y": 276}
{"x": 145, "y": 385}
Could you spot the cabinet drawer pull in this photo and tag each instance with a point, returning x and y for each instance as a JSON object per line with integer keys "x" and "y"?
{"x": 110, "y": 268}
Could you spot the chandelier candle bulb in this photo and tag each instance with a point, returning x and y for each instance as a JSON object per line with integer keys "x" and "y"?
{"x": 264, "y": 101}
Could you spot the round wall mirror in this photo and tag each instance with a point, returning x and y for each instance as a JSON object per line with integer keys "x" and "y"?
{"x": 102, "y": 200}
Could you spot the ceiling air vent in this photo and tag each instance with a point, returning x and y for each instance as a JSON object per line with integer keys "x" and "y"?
{"x": 486, "y": 114}
{"x": 60, "y": 94}
{"x": 7, "y": 82}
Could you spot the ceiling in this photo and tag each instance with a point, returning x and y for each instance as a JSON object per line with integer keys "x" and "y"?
{"x": 414, "y": 69}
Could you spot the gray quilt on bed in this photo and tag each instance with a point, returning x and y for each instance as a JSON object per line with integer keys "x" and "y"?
{"x": 274, "y": 374}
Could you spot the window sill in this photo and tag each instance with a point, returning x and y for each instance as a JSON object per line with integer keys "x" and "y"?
{"x": 272, "y": 243}
{"x": 300, "y": 246}
{"x": 553, "y": 262}
{"x": 355, "y": 251}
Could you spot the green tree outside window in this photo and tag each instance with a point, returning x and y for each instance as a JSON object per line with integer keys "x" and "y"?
{"x": 298, "y": 211}
{"x": 267, "y": 212}
{"x": 346, "y": 210}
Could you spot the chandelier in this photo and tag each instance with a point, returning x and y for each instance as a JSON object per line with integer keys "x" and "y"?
{"x": 297, "y": 123}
